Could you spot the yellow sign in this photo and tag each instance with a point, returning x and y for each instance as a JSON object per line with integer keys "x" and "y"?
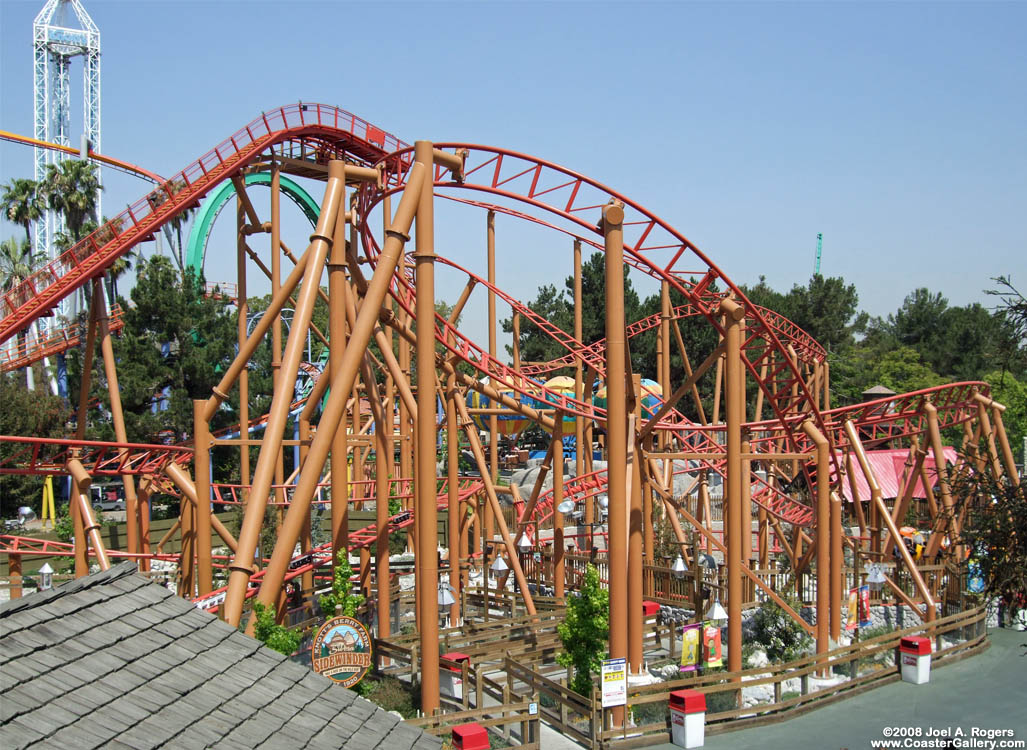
{"x": 691, "y": 649}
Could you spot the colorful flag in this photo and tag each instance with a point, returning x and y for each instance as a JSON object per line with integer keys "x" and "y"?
{"x": 691, "y": 636}
{"x": 712, "y": 656}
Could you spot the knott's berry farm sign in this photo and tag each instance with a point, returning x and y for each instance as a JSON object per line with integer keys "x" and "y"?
{"x": 342, "y": 651}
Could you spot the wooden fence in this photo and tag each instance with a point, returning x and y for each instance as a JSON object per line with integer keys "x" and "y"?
{"x": 863, "y": 665}
{"x": 523, "y": 714}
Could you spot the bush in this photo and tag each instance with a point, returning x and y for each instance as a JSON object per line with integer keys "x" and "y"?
{"x": 340, "y": 595}
{"x": 650, "y": 713}
{"x": 723, "y": 701}
{"x": 273, "y": 635}
{"x": 392, "y": 695}
{"x": 885, "y": 657}
{"x": 585, "y": 631}
{"x": 778, "y": 634}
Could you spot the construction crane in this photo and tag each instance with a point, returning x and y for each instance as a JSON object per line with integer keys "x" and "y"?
{"x": 820, "y": 244}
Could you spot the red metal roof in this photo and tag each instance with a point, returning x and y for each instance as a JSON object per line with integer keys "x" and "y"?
{"x": 889, "y": 467}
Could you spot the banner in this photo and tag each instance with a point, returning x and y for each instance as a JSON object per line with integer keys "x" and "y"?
{"x": 852, "y": 620}
{"x": 864, "y": 607}
{"x": 712, "y": 656}
{"x": 691, "y": 636}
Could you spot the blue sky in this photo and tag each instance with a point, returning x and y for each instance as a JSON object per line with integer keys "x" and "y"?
{"x": 897, "y": 130}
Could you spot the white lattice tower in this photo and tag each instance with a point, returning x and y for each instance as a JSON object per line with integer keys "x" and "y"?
{"x": 55, "y": 41}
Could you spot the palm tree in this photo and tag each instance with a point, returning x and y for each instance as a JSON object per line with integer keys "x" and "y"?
{"x": 70, "y": 188}
{"x": 22, "y": 203}
{"x": 17, "y": 263}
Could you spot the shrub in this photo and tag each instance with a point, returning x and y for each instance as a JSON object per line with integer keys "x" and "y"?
{"x": 649, "y": 713}
{"x": 392, "y": 695}
{"x": 585, "y": 631}
{"x": 723, "y": 701}
{"x": 273, "y": 635}
{"x": 780, "y": 636}
{"x": 340, "y": 595}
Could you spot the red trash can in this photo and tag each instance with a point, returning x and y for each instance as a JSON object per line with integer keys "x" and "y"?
{"x": 915, "y": 659}
{"x": 687, "y": 718}
{"x": 471, "y": 736}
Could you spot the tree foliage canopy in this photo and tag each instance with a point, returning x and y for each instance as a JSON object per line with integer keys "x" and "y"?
{"x": 585, "y": 631}
{"x": 26, "y": 412}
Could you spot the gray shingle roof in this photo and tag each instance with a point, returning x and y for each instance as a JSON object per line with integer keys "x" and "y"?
{"x": 112, "y": 660}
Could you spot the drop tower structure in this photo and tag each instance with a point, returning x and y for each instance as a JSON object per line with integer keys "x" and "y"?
{"x": 61, "y": 31}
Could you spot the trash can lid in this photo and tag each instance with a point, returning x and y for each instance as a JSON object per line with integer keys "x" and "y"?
{"x": 915, "y": 645}
{"x": 689, "y": 701}
{"x": 471, "y": 736}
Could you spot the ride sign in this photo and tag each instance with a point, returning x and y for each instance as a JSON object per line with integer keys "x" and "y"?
{"x": 615, "y": 682}
{"x": 342, "y": 651}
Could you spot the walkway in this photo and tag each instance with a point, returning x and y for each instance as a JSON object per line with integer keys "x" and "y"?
{"x": 987, "y": 691}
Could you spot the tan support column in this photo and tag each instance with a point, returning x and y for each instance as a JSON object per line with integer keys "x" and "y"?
{"x": 201, "y": 462}
{"x": 306, "y": 537}
{"x": 616, "y": 435}
{"x": 96, "y": 302}
{"x": 145, "y": 487}
{"x": 341, "y": 385}
{"x": 453, "y": 508}
{"x": 383, "y": 447}
{"x": 493, "y": 499}
{"x": 559, "y": 548}
{"x": 276, "y": 327}
{"x": 242, "y": 307}
{"x": 941, "y": 470}
{"x": 1003, "y": 439}
{"x": 635, "y": 534}
{"x": 249, "y": 534}
{"x": 579, "y": 394}
{"x": 338, "y": 294}
{"x": 82, "y": 480}
{"x": 837, "y": 557}
{"x": 117, "y": 417}
{"x": 493, "y": 419}
{"x": 14, "y": 575}
{"x": 734, "y": 388}
{"x": 426, "y": 503}
{"x": 823, "y": 537}
{"x": 893, "y": 529}
{"x": 180, "y": 477}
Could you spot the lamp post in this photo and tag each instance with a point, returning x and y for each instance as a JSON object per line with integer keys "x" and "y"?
{"x": 45, "y": 577}
{"x": 499, "y": 566}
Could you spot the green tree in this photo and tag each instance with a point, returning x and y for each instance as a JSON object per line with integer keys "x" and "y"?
{"x": 174, "y": 344}
{"x": 22, "y": 203}
{"x": 918, "y": 323}
{"x": 31, "y": 413}
{"x": 827, "y": 309}
{"x": 1013, "y": 309}
{"x": 17, "y": 263}
{"x": 557, "y": 306}
{"x": 1011, "y": 392}
{"x": 341, "y": 594}
{"x": 995, "y": 530}
{"x": 778, "y": 634}
{"x": 861, "y": 367}
{"x": 271, "y": 634}
{"x": 71, "y": 188}
{"x": 585, "y": 632}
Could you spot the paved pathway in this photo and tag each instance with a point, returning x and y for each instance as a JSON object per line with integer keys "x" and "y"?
{"x": 987, "y": 691}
